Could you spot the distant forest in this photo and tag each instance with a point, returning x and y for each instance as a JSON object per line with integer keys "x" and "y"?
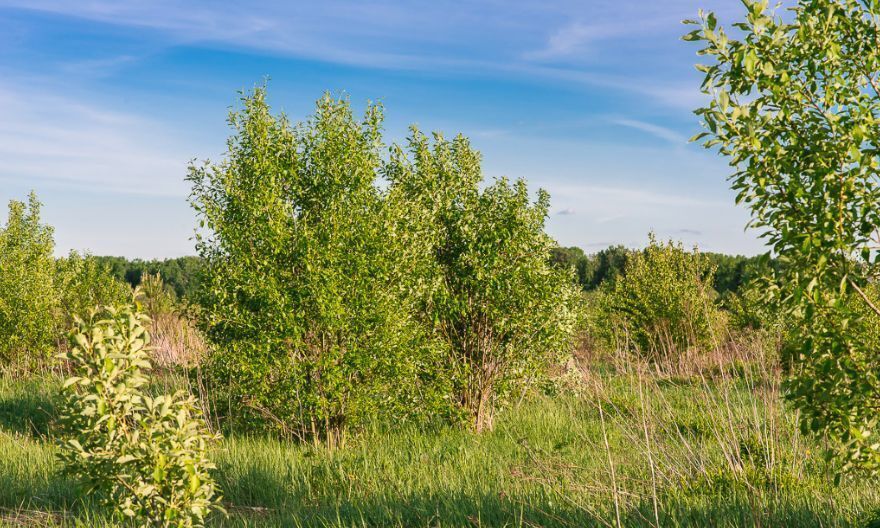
{"x": 181, "y": 275}
{"x": 593, "y": 270}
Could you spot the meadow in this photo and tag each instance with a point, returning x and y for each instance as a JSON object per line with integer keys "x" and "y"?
{"x": 616, "y": 444}
{"x": 375, "y": 334}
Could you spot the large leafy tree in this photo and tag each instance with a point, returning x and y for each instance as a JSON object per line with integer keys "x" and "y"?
{"x": 307, "y": 274}
{"x": 493, "y": 297}
{"x": 795, "y": 103}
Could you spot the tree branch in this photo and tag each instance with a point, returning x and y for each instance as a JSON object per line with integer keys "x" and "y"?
{"x": 863, "y": 296}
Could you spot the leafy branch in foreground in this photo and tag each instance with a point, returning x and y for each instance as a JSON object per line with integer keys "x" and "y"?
{"x": 795, "y": 106}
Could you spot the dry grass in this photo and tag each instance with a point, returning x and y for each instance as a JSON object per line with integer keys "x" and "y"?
{"x": 176, "y": 340}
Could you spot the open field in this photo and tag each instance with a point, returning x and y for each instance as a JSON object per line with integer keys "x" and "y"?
{"x": 431, "y": 302}
{"x": 627, "y": 449}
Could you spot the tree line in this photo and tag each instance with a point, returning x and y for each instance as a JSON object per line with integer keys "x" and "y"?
{"x": 732, "y": 272}
{"x": 181, "y": 275}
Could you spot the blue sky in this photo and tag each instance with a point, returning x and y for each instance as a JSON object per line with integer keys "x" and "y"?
{"x": 104, "y": 102}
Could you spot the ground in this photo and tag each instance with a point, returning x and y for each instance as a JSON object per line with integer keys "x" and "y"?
{"x": 620, "y": 448}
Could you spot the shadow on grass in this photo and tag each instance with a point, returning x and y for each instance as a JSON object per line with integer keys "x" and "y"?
{"x": 29, "y": 410}
{"x": 257, "y": 498}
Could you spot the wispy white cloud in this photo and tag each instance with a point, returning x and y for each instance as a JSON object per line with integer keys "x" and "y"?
{"x": 572, "y": 38}
{"x": 97, "y": 67}
{"x": 485, "y": 37}
{"x": 664, "y": 133}
{"x": 630, "y": 197}
{"x": 52, "y": 140}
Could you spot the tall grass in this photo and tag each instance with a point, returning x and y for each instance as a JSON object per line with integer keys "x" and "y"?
{"x": 637, "y": 445}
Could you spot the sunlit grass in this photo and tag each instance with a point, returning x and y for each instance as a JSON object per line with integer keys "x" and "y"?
{"x": 694, "y": 451}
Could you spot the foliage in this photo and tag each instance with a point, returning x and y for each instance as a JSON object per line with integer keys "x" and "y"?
{"x": 794, "y": 107}
{"x": 145, "y": 456}
{"x": 713, "y": 451}
{"x": 154, "y": 297}
{"x": 749, "y": 310}
{"x": 28, "y": 304}
{"x": 500, "y": 307}
{"x": 593, "y": 270}
{"x": 606, "y": 266}
{"x": 180, "y": 275}
{"x": 575, "y": 259}
{"x": 663, "y": 303}
{"x": 305, "y": 281}
{"x": 83, "y": 283}
{"x": 39, "y": 296}
{"x": 734, "y": 273}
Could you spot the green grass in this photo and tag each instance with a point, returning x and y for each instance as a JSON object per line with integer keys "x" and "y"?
{"x": 686, "y": 452}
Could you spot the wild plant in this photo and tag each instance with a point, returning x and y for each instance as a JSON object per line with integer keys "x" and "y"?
{"x": 145, "y": 457}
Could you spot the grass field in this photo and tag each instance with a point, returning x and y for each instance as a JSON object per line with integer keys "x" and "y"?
{"x": 627, "y": 449}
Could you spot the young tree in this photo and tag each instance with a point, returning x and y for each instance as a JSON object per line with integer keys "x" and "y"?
{"x": 28, "y": 302}
{"x": 84, "y": 283}
{"x": 306, "y": 276}
{"x": 145, "y": 457}
{"x": 494, "y": 298}
{"x": 663, "y": 302}
{"x": 795, "y": 107}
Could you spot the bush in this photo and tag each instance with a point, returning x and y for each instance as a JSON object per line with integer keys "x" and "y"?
{"x": 498, "y": 304}
{"x": 83, "y": 283}
{"x": 28, "y": 300}
{"x": 39, "y": 296}
{"x": 145, "y": 457}
{"x": 306, "y": 277}
{"x": 663, "y": 304}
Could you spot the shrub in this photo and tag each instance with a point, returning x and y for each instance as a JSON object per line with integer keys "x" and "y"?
{"x": 154, "y": 297}
{"x": 663, "y": 303}
{"x": 500, "y": 306}
{"x": 83, "y": 283}
{"x": 146, "y": 457}
{"x": 39, "y": 296}
{"x": 306, "y": 276}
{"x": 28, "y": 301}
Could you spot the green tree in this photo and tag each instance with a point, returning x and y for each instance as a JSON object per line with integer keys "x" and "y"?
{"x": 734, "y": 272}
{"x": 84, "y": 283}
{"x": 498, "y": 304}
{"x": 180, "y": 275}
{"x": 305, "y": 277}
{"x": 28, "y": 301}
{"x": 794, "y": 106}
{"x": 663, "y": 303}
{"x": 606, "y": 266}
